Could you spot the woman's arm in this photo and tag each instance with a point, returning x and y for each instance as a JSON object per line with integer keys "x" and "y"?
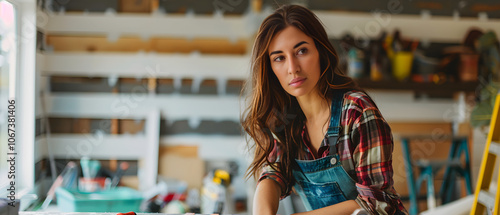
{"x": 372, "y": 137}
{"x": 267, "y": 196}
{"x": 346, "y": 207}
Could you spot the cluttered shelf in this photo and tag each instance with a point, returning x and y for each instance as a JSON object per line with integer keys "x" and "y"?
{"x": 435, "y": 69}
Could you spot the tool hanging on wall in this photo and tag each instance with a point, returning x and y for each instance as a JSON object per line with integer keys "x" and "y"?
{"x": 483, "y": 199}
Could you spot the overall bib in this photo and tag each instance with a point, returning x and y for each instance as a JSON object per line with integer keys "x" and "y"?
{"x": 324, "y": 182}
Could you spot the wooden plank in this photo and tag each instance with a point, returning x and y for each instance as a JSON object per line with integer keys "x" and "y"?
{"x": 235, "y": 83}
{"x": 203, "y": 45}
{"x": 135, "y": 6}
{"x": 135, "y": 44}
{"x": 81, "y": 126}
{"x": 97, "y": 44}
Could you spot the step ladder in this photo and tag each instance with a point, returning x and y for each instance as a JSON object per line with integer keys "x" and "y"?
{"x": 484, "y": 200}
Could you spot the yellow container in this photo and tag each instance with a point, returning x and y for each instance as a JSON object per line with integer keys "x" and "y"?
{"x": 401, "y": 65}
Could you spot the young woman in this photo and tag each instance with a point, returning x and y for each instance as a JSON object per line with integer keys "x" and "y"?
{"x": 314, "y": 130}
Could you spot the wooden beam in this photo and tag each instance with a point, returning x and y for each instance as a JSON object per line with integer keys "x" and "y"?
{"x": 135, "y": 6}
{"x": 203, "y": 45}
{"x": 73, "y": 43}
{"x": 81, "y": 126}
{"x": 96, "y": 44}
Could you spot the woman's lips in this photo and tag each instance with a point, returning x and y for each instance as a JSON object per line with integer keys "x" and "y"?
{"x": 297, "y": 82}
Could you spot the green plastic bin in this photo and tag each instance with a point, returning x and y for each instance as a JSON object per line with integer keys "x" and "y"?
{"x": 119, "y": 199}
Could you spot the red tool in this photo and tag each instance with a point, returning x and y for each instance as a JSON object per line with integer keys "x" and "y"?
{"x": 128, "y": 213}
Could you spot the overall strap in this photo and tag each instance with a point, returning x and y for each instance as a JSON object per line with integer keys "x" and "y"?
{"x": 334, "y": 127}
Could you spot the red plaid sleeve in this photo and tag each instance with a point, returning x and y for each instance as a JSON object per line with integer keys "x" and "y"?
{"x": 372, "y": 155}
{"x": 269, "y": 173}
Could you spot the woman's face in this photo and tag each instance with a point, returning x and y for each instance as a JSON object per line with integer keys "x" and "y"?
{"x": 295, "y": 61}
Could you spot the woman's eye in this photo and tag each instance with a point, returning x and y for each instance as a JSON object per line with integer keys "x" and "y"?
{"x": 302, "y": 51}
{"x": 278, "y": 59}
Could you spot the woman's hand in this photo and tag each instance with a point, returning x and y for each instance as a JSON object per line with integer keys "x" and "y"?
{"x": 266, "y": 199}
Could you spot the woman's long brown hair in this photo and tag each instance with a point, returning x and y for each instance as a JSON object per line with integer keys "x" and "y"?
{"x": 272, "y": 111}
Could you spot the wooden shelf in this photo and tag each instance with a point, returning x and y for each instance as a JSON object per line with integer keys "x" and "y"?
{"x": 428, "y": 88}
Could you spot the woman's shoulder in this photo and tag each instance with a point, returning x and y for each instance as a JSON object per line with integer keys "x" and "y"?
{"x": 359, "y": 99}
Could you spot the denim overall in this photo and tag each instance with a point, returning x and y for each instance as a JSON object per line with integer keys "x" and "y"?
{"x": 324, "y": 182}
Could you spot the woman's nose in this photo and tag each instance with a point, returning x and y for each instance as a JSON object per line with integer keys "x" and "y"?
{"x": 293, "y": 65}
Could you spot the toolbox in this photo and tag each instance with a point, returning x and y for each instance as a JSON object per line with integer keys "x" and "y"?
{"x": 113, "y": 200}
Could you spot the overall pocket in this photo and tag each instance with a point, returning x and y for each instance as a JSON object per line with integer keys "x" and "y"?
{"x": 320, "y": 195}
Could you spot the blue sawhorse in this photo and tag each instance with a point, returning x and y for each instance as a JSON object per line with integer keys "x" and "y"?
{"x": 453, "y": 168}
